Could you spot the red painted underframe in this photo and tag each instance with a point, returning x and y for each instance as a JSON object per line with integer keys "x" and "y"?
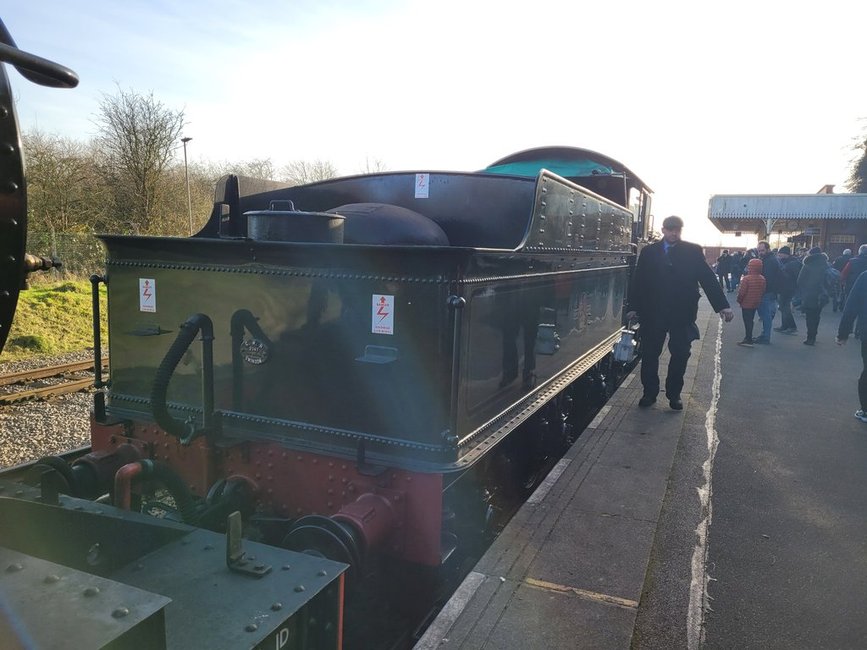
{"x": 293, "y": 483}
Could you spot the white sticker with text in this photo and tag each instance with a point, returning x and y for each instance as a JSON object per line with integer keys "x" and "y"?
{"x": 422, "y": 186}
{"x": 383, "y": 314}
{"x": 147, "y": 294}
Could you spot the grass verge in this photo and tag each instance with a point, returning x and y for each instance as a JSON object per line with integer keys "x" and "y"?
{"x": 53, "y": 318}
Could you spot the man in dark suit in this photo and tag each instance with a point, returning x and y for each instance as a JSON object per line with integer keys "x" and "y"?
{"x": 664, "y": 296}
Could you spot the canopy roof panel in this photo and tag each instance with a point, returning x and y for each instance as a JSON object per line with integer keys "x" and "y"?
{"x": 729, "y": 212}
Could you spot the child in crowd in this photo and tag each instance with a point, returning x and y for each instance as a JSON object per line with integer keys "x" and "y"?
{"x": 750, "y": 292}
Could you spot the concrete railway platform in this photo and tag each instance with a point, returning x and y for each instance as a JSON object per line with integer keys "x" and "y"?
{"x": 708, "y": 527}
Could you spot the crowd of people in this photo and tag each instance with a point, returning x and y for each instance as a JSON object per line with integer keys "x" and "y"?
{"x": 805, "y": 280}
{"x": 663, "y": 297}
{"x": 766, "y": 281}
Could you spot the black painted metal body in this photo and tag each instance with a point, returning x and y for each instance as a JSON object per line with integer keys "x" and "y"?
{"x": 13, "y": 209}
{"x": 14, "y": 265}
{"x": 423, "y": 356}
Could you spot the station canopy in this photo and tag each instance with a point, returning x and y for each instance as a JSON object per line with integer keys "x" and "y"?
{"x": 764, "y": 213}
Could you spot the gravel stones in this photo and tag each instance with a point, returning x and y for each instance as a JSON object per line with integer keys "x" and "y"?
{"x": 31, "y": 430}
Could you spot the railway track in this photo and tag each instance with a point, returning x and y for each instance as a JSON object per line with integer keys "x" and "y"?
{"x": 10, "y": 395}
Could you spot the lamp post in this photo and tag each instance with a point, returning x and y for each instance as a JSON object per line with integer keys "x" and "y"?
{"x": 187, "y": 180}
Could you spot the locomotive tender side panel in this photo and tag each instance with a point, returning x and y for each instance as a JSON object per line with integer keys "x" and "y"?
{"x": 350, "y": 348}
{"x": 548, "y": 310}
{"x": 322, "y": 357}
{"x": 524, "y": 332}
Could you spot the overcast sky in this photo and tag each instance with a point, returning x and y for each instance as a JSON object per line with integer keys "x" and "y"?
{"x": 697, "y": 98}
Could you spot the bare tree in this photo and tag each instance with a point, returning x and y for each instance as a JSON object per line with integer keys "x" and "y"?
{"x": 373, "y": 166}
{"x": 138, "y": 136}
{"x": 300, "y": 172}
{"x": 857, "y": 181}
{"x": 65, "y": 190}
{"x": 261, "y": 168}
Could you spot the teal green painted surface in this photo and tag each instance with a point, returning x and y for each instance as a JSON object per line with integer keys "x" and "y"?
{"x": 565, "y": 168}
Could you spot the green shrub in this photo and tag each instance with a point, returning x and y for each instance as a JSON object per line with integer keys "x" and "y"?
{"x": 31, "y": 344}
{"x": 75, "y": 287}
{"x": 53, "y": 318}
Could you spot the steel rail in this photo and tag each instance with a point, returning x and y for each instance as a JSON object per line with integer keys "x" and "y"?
{"x": 47, "y": 391}
{"x": 48, "y": 371}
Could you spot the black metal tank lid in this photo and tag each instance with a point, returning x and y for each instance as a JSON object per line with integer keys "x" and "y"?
{"x": 282, "y": 222}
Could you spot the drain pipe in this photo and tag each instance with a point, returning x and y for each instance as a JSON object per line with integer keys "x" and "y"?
{"x": 187, "y": 430}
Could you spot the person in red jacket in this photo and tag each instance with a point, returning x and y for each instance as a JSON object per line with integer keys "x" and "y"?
{"x": 750, "y": 292}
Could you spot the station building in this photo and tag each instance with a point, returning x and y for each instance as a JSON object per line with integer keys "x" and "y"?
{"x": 832, "y": 221}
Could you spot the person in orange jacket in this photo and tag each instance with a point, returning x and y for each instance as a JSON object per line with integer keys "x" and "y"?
{"x": 750, "y": 292}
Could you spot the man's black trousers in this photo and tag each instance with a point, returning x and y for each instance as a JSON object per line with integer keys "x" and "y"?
{"x": 680, "y": 338}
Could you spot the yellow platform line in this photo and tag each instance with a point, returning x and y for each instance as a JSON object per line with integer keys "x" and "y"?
{"x": 582, "y": 593}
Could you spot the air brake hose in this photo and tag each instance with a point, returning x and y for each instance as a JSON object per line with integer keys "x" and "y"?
{"x": 186, "y": 431}
{"x": 63, "y": 468}
{"x": 149, "y": 469}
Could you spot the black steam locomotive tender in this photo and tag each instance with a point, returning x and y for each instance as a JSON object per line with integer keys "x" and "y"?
{"x": 310, "y": 378}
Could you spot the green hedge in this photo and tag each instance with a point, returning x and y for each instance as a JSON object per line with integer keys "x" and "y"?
{"x": 81, "y": 254}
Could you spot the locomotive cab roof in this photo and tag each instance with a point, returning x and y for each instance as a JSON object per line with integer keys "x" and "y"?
{"x": 590, "y": 169}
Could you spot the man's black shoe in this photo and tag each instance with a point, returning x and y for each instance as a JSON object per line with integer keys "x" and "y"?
{"x": 675, "y": 403}
{"x": 646, "y": 400}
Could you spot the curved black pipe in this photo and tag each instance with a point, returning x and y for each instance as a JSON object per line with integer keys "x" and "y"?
{"x": 97, "y": 334}
{"x": 242, "y": 320}
{"x": 225, "y": 497}
{"x": 13, "y": 188}
{"x": 64, "y": 469}
{"x": 35, "y": 68}
{"x": 174, "y": 485}
{"x": 186, "y": 431}
{"x": 98, "y": 396}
